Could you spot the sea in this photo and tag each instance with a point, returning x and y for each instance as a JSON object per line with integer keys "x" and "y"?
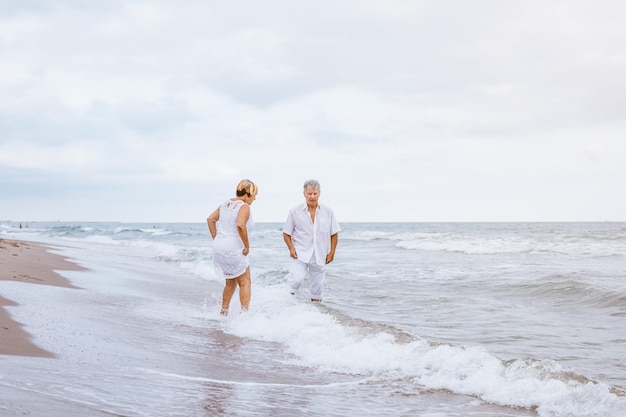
{"x": 418, "y": 319}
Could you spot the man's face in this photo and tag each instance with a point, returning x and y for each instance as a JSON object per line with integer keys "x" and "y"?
{"x": 311, "y": 195}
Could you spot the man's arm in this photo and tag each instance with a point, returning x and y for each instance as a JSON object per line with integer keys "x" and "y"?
{"x": 333, "y": 245}
{"x": 289, "y": 242}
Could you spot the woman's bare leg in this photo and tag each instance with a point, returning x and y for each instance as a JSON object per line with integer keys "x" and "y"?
{"x": 245, "y": 289}
{"x": 229, "y": 289}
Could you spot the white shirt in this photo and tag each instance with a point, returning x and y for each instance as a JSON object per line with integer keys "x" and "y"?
{"x": 311, "y": 238}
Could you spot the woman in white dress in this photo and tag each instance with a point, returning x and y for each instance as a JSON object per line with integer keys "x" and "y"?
{"x": 229, "y": 225}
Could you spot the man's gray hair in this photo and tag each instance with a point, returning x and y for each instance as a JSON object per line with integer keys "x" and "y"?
{"x": 312, "y": 184}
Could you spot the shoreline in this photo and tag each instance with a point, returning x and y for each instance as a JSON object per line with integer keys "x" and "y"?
{"x": 30, "y": 263}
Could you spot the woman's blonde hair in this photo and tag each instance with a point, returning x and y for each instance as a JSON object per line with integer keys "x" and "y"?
{"x": 246, "y": 187}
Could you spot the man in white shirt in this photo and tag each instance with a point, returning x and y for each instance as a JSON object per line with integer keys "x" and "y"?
{"x": 311, "y": 234}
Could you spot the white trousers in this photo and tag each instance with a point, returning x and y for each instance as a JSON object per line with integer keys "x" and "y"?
{"x": 297, "y": 273}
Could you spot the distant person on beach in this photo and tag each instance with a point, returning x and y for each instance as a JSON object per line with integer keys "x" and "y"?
{"x": 229, "y": 225}
{"x": 311, "y": 234}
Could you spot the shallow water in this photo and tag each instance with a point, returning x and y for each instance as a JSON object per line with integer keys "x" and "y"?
{"x": 418, "y": 319}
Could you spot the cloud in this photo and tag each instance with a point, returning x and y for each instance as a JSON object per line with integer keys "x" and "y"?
{"x": 481, "y": 111}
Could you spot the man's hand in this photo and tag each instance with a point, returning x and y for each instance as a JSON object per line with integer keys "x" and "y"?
{"x": 330, "y": 257}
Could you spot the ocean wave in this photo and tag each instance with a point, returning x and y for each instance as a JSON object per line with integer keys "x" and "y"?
{"x": 484, "y": 245}
{"x": 576, "y": 290}
{"x": 320, "y": 339}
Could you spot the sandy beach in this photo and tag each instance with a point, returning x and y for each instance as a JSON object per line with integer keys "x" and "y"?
{"x": 29, "y": 263}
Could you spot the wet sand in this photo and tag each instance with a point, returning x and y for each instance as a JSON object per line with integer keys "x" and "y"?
{"x": 30, "y": 263}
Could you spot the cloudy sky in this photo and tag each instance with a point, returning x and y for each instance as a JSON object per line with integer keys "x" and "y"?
{"x": 404, "y": 110}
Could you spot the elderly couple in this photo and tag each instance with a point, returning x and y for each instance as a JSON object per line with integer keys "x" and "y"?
{"x": 310, "y": 232}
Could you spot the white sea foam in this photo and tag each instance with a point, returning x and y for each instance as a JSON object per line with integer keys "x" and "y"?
{"x": 317, "y": 340}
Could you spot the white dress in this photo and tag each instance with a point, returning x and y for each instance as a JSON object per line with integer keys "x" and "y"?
{"x": 228, "y": 257}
